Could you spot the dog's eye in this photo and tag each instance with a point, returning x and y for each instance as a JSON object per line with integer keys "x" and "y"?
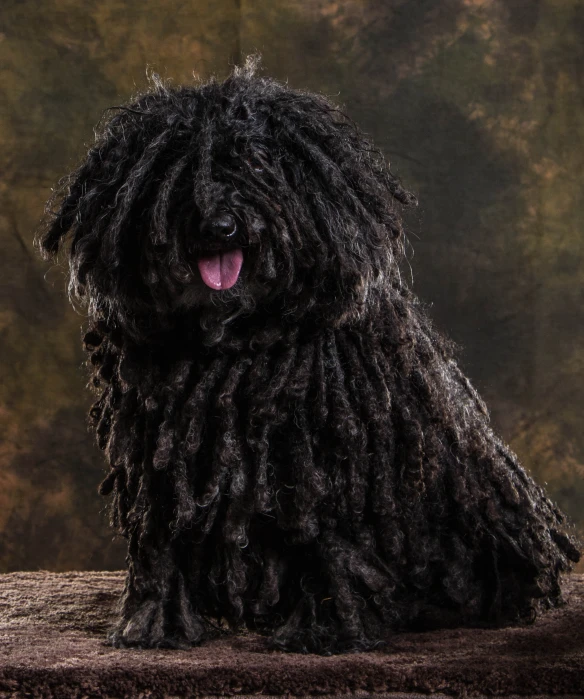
{"x": 255, "y": 163}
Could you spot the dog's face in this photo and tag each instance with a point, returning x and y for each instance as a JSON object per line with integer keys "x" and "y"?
{"x": 224, "y": 198}
{"x": 225, "y": 223}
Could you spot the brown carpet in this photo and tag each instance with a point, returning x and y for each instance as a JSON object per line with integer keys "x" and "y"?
{"x": 52, "y": 629}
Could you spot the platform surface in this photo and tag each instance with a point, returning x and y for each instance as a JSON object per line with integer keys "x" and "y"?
{"x": 52, "y": 644}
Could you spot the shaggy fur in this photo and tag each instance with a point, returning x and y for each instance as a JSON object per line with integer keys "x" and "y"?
{"x": 298, "y": 454}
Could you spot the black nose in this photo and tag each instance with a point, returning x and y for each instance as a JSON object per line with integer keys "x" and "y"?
{"x": 219, "y": 227}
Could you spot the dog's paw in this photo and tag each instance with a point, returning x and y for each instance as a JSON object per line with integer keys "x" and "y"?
{"x": 150, "y": 627}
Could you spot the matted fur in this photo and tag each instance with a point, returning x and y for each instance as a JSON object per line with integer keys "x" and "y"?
{"x": 299, "y": 454}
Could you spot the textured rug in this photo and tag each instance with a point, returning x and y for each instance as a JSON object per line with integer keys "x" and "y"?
{"x": 52, "y": 629}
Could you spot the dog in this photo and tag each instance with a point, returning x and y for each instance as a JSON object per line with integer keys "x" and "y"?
{"x": 292, "y": 447}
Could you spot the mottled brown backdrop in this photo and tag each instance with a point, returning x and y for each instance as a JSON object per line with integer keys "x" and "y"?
{"x": 478, "y": 105}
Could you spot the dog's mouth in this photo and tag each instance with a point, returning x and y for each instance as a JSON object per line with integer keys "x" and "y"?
{"x": 221, "y": 269}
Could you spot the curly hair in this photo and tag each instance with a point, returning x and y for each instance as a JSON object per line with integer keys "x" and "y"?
{"x": 299, "y": 454}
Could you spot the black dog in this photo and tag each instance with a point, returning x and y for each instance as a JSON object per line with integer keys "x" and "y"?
{"x": 293, "y": 448}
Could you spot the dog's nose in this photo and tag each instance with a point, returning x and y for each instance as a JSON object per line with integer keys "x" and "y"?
{"x": 219, "y": 227}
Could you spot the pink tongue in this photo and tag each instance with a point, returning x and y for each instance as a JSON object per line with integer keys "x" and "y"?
{"x": 221, "y": 271}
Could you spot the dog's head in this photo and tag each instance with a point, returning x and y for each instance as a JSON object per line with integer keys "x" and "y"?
{"x": 223, "y": 198}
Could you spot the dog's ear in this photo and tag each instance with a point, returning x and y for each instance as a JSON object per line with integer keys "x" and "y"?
{"x": 353, "y": 201}
{"x": 57, "y": 223}
{"x": 79, "y": 199}
{"x": 341, "y": 205}
{"x": 63, "y": 216}
{"x": 98, "y": 209}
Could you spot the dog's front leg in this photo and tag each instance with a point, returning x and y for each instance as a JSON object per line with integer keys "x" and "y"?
{"x": 155, "y": 608}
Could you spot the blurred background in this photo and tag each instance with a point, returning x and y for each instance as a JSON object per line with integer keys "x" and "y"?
{"x": 477, "y": 104}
